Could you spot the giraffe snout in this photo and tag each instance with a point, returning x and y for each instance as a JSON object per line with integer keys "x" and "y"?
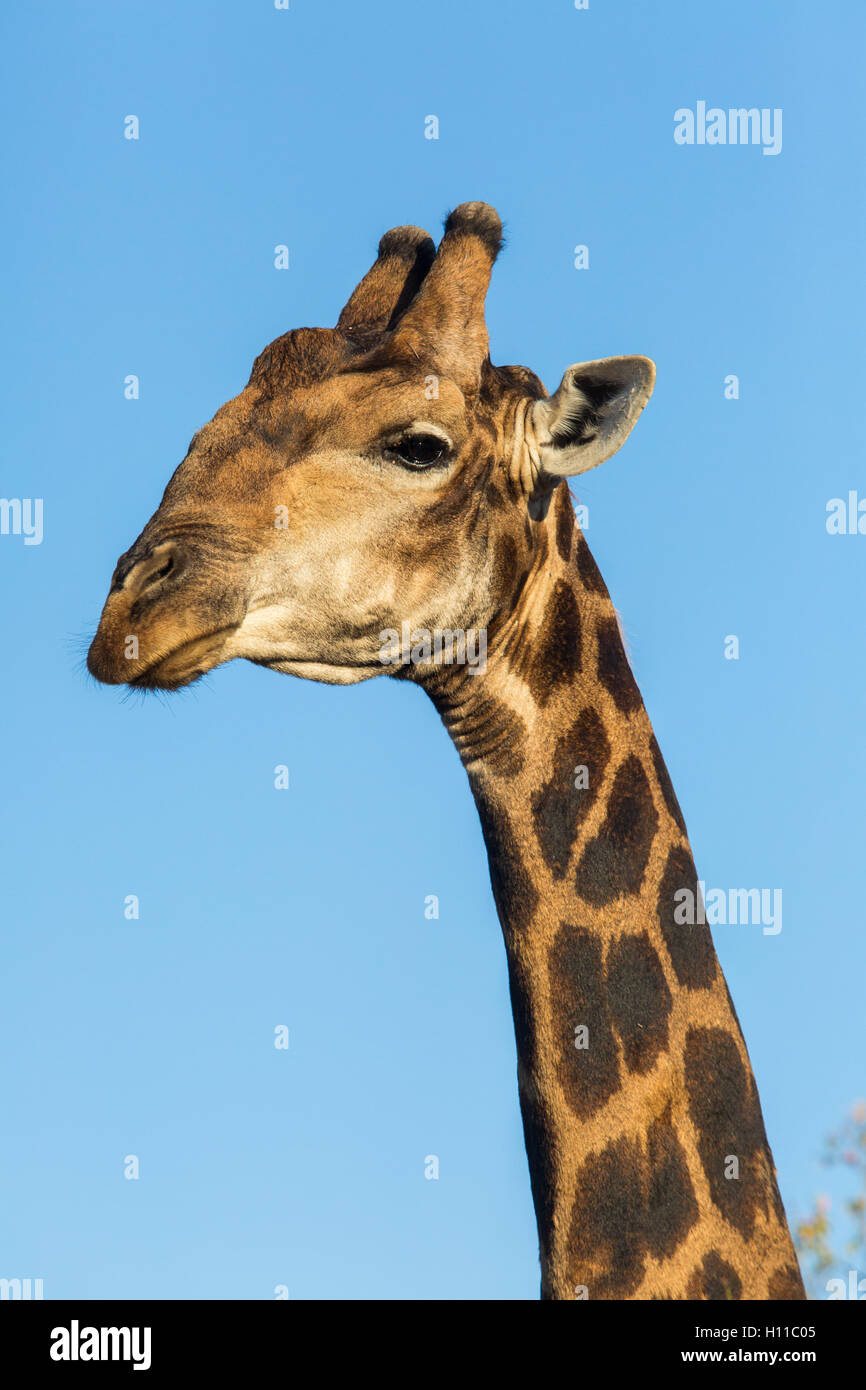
{"x": 172, "y": 605}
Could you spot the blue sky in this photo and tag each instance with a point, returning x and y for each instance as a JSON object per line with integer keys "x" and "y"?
{"x": 305, "y": 908}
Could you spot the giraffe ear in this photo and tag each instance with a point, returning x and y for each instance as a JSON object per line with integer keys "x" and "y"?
{"x": 591, "y": 413}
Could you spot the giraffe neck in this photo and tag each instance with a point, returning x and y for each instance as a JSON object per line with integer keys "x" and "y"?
{"x": 650, "y": 1169}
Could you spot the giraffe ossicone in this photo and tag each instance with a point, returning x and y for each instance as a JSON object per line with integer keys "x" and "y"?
{"x": 338, "y": 497}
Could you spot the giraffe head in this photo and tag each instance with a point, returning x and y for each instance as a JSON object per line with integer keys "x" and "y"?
{"x": 378, "y": 473}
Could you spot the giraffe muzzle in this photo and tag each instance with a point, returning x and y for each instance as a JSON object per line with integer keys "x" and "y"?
{"x": 167, "y": 617}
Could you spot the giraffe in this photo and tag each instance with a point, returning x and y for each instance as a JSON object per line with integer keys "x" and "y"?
{"x": 384, "y": 472}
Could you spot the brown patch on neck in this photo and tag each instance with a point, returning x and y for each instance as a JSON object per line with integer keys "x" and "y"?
{"x": 549, "y": 664}
{"x": 565, "y": 523}
{"x": 590, "y": 574}
{"x": 578, "y": 766}
{"x": 614, "y": 861}
{"x": 613, "y": 669}
{"x": 715, "y": 1281}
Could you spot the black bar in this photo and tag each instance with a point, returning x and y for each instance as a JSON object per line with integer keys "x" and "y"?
{"x": 220, "y": 1338}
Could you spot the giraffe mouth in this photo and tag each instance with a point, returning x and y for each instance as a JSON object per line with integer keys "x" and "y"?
{"x": 185, "y": 663}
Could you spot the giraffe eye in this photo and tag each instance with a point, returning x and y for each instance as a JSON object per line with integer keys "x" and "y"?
{"x": 419, "y": 451}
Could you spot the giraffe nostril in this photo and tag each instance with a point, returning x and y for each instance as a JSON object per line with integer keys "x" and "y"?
{"x": 165, "y": 568}
{"x": 150, "y": 571}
